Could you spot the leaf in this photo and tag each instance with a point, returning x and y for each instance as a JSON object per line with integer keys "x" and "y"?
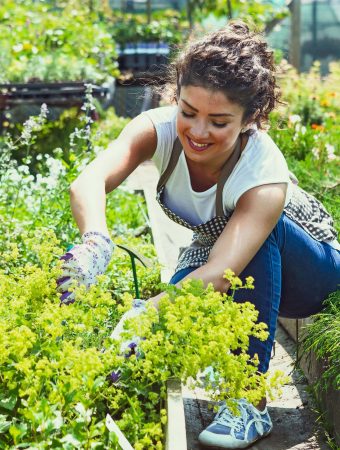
{"x": 58, "y": 421}
{"x": 18, "y": 431}
{"x": 4, "y": 424}
{"x": 71, "y": 439}
{"x": 9, "y": 402}
{"x": 98, "y": 383}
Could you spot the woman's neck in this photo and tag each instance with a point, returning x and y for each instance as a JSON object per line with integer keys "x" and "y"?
{"x": 204, "y": 176}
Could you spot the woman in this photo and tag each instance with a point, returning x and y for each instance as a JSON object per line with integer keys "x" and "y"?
{"x": 224, "y": 178}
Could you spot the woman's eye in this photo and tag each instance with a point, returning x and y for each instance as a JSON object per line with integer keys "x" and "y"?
{"x": 220, "y": 125}
{"x": 185, "y": 114}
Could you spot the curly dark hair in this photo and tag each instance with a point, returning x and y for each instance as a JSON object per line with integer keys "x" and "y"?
{"x": 234, "y": 60}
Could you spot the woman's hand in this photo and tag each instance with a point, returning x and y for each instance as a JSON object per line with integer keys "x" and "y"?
{"x": 84, "y": 262}
{"x": 129, "y": 347}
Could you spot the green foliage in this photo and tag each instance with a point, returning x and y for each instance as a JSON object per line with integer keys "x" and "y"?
{"x": 168, "y": 26}
{"x": 212, "y": 331}
{"x": 322, "y": 336}
{"x": 306, "y": 128}
{"x": 54, "y": 43}
{"x": 57, "y": 363}
{"x": 53, "y": 369}
{"x": 260, "y": 13}
{"x": 30, "y": 201}
{"x": 56, "y": 133}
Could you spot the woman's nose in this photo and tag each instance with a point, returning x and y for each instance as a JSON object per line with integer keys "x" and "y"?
{"x": 199, "y": 130}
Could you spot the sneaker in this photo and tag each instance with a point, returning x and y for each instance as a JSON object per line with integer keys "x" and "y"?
{"x": 229, "y": 431}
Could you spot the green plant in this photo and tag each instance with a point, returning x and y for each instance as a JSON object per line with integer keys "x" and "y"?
{"x": 52, "y": 367}
{"x": 34, "y": 192}
{"x": 58, "y": 371}
{"x": 322, "y": 336}
{"x": 167, "y": 26}
{"x": 261, "y": 13}
{"x": 306, "y": 128}
{"x": 46, "y": 42}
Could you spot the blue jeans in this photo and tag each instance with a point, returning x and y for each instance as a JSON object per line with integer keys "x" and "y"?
{"x": 293, "y": 275}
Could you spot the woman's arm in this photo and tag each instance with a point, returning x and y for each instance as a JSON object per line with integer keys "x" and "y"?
{"x": 256, "y": 214}
{"x": 136, "y": 143}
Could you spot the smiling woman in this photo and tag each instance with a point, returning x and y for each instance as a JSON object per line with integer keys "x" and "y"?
{"x": 208, "y": 125}
{"x": 222, "y": 177}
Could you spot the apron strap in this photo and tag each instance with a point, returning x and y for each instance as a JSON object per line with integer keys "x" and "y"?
{"x": 226, "y": 171}
{"x": 175, "y": 153}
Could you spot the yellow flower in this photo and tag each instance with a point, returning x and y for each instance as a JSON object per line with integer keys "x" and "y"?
{"x": 27, "y": 46}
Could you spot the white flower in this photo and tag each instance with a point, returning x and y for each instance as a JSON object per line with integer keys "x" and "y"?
{"x": 43, "y": 111}
{"x": 24, "y": 169}
{"x": 55, "y": 166}
{"x": 14, "y": 176}
{"x": 315, "y": 152}
{"x": 34, "y": 123}
{"x": 330, "y": 152}
{"x": 294, "y": 118}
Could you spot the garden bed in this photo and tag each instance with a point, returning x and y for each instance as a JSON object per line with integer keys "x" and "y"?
{"x": 314, "y": 368}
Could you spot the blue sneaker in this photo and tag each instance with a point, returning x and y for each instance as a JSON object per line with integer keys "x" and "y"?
{"x": 229, "y": 431}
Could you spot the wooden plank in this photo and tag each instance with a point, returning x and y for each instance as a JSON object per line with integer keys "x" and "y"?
{"x": 176, "y": 438}
{"x": 113, "y": 427}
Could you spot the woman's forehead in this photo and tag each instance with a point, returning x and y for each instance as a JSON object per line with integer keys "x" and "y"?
{"x": 203, "y": 98}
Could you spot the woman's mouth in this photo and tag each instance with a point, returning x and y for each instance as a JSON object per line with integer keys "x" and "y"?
{"x": 197, "y": 146}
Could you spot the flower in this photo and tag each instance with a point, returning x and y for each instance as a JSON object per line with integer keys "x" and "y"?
{"x": 115, "y": 376}
{"x": 315, "y": 152}
{"x": 316, "y": 126}
{"x": 330, "y": 152}
{"x": 294, "y": 118}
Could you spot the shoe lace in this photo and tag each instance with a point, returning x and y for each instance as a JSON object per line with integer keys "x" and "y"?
{"x": 227, "y": 418}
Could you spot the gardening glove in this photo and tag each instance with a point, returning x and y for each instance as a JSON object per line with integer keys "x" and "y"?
{"x": 84, "y": 262}
{"x": 129, "y": 347}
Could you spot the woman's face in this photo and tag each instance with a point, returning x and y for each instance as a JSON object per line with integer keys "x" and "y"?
{"x": 208, "y": 124}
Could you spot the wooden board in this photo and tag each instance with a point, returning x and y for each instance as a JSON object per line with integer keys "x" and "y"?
{"x": 175, "y": 431}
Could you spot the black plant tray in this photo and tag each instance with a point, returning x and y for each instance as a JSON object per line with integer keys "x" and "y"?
{"x": 53, "y": 94}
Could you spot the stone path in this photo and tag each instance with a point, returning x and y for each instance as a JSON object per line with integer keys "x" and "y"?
{"x": 295, "y": 426}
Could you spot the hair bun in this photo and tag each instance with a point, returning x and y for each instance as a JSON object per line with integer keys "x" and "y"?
{"x": 238, "y": 27}
{"x": 236, "y": 61}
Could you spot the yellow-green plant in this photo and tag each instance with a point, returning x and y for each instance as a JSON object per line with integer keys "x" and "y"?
{"x": 58, "y": 364}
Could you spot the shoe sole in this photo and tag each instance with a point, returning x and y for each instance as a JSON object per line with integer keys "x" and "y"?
{"x": 214, "y": 447}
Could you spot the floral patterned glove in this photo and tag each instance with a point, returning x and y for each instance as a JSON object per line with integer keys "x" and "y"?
{"x": 84, "y": 262}
{"x": 129, "y": 347}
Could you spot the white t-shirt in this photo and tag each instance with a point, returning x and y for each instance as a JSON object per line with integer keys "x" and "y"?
{"x": 261, "y": 162}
